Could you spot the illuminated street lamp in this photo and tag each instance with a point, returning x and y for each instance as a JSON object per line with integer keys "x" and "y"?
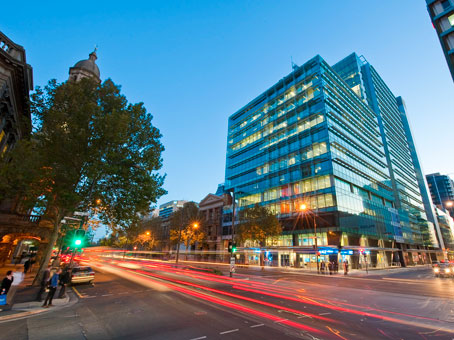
{"x": 147, "y": 233}
{"x": 449, "y": 204}
{"x": 304, "y": 208}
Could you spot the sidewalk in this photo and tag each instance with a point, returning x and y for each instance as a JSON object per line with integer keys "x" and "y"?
{"x": 360, "y": 273}
{"x": 24, "y": 297}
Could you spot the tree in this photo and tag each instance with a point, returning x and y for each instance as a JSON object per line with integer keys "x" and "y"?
{"x": 88, "y": 144}
{"x": 257, "y": 224}
{"x": 186, "y": 225}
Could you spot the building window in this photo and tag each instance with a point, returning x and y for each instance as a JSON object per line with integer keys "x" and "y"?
{"x": 451, "y": 19}
{"x": 445, "y": 4}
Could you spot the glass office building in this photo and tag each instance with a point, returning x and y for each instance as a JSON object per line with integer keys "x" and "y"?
{"x": 333, "y": 139}
{"x": 442, "y": 15}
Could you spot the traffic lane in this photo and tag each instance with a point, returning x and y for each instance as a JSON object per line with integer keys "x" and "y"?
{"x": 429, "y": 287}
{"x": 354, "y": 323}
{"x": 140, "y": 313}
{"x": 389, "y": 309}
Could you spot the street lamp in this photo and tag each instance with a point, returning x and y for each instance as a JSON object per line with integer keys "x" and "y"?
{"x": 147, "y": 233}
{"x": 304, "y": 208}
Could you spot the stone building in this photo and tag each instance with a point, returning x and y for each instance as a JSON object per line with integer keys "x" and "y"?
{"x": 16, "y": 81}
{"x": 211, "y": 209}
{"x": 85, "y": 68}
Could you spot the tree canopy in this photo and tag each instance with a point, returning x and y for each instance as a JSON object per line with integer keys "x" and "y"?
{"x": 88, "y": 145}
{"x": 183, "y": 220}
{"x": 257, "y": 223}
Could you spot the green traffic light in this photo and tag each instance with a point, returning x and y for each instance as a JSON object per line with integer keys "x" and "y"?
{"x": 78, "y": 242}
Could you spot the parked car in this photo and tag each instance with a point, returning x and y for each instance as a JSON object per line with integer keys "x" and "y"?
{"x": 82, "y": 275}
{"x": 443, "y": 270}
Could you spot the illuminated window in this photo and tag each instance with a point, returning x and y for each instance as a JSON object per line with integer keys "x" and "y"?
{"x": 451, "y": 19}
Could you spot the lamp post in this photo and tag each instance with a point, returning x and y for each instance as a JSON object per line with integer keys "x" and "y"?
{"x": 303, "y": 208}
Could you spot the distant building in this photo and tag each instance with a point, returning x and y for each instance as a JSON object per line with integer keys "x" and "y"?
{"x": 85, "y": 68}
{"x": 333, "y": 138}
{"x": 166, "y": 209}
{"x": 442, "y": 15}
{"x": 442, "y": 191}
{"x": 446, "y": 223}
{"x": 211, "y": 209}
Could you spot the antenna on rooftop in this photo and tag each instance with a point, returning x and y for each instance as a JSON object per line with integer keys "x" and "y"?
{"x": 294, "y": 66}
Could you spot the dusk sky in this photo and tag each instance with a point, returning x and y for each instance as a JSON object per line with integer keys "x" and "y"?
{"x": 194, "y": 63}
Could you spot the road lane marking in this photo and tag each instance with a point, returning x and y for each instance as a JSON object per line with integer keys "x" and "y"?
{"x": 324, "y": 313}
{"x": 106, "y": 294}
{"x": 281, "y": 320}
{"x": 199, "y": 338}
{"x": 230, "y": 331}
{"x": 259, "y": 325}
{"x": 77, "y": 292}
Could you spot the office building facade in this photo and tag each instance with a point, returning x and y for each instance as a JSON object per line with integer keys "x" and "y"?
{"x": 442, "y": 15}
{"x": 442, "y": 191}
{"x": 333, "y": 139}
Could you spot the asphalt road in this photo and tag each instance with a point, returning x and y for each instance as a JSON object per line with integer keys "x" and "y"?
{"x": 149, "y": 300}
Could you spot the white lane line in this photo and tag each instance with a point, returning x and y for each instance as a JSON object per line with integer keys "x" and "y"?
{"x": 89, "y": 296}
{"x": 230, "y": 331}
{"x": 106, "y": 294}
{"x": 259, "y": 325}
{"x": 199, "y": 338}
{"x": 281, "y": 320}
{"x": 324, "y": 313}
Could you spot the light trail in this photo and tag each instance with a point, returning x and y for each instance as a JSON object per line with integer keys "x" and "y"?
{"x": 265, "y": 289}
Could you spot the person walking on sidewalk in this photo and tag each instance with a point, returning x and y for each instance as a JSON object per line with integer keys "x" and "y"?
{"x": 6, "y": 283}
{"x": 43, "y": 283}
{"x": 27, "y": 265}
{"x": 64, "y": 280}
{"x": 53, "y": 283}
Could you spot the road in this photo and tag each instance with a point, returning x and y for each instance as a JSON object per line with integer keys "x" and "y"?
{"x": 155, "y": 300}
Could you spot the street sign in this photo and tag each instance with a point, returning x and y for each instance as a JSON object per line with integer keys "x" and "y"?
{"x": 80, "y": 213}
{"x": 232, "y": 264}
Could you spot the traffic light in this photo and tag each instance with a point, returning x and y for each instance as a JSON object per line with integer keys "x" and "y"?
{"x": 232, "y": 247}
{"x": 79, "y": 236}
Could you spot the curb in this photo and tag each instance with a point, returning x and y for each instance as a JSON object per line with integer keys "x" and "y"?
{"x": 71, "y": 300}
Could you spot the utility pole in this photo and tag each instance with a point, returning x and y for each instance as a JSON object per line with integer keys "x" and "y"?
{"x": 232, "y": 258}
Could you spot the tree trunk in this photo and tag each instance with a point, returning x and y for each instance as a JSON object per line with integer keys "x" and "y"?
{"x": 47, "y": 255}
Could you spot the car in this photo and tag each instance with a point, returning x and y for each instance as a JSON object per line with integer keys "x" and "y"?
{"x": 443, "y": 270}
{"x": 82, "y": 275}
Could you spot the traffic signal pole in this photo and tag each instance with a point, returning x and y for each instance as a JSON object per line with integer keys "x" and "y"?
{"x": 232, "y": 258}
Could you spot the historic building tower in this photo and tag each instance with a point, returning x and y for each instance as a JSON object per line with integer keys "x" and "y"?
{"x": 86, "y": 68}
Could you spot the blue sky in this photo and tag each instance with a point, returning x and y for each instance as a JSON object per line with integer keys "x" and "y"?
{"x": 193, "y": 63}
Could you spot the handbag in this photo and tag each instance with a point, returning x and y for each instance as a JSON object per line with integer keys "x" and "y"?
{"x": 3, "y": 299}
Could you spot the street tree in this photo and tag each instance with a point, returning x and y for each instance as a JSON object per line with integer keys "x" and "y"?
{"x": 257, "y": 224}
{"x": 186, "y": 226}
{"x": 89, "y": 146}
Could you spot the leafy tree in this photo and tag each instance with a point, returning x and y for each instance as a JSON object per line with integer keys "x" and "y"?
{"x": 89, "y": 144}
{"x": 182, "y": 224}
{"x": 257, "y": 224}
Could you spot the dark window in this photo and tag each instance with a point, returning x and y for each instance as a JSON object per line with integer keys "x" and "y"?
{"x": 445, "y": 4}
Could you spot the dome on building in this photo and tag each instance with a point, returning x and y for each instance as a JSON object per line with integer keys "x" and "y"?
{"x": 85, "y": 68}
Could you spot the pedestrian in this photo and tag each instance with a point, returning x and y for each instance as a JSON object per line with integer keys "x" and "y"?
{"x": 330, "y": 267}
{"x": 53, "y": 283}
{"x": 64, "y": 280}
{"x": 44, "y": 282}
{"x": 6, "y": 283}
{"x": 345, "y": 267}
{"x": 322, "y": 267}
{"x": 27, "y": 265}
